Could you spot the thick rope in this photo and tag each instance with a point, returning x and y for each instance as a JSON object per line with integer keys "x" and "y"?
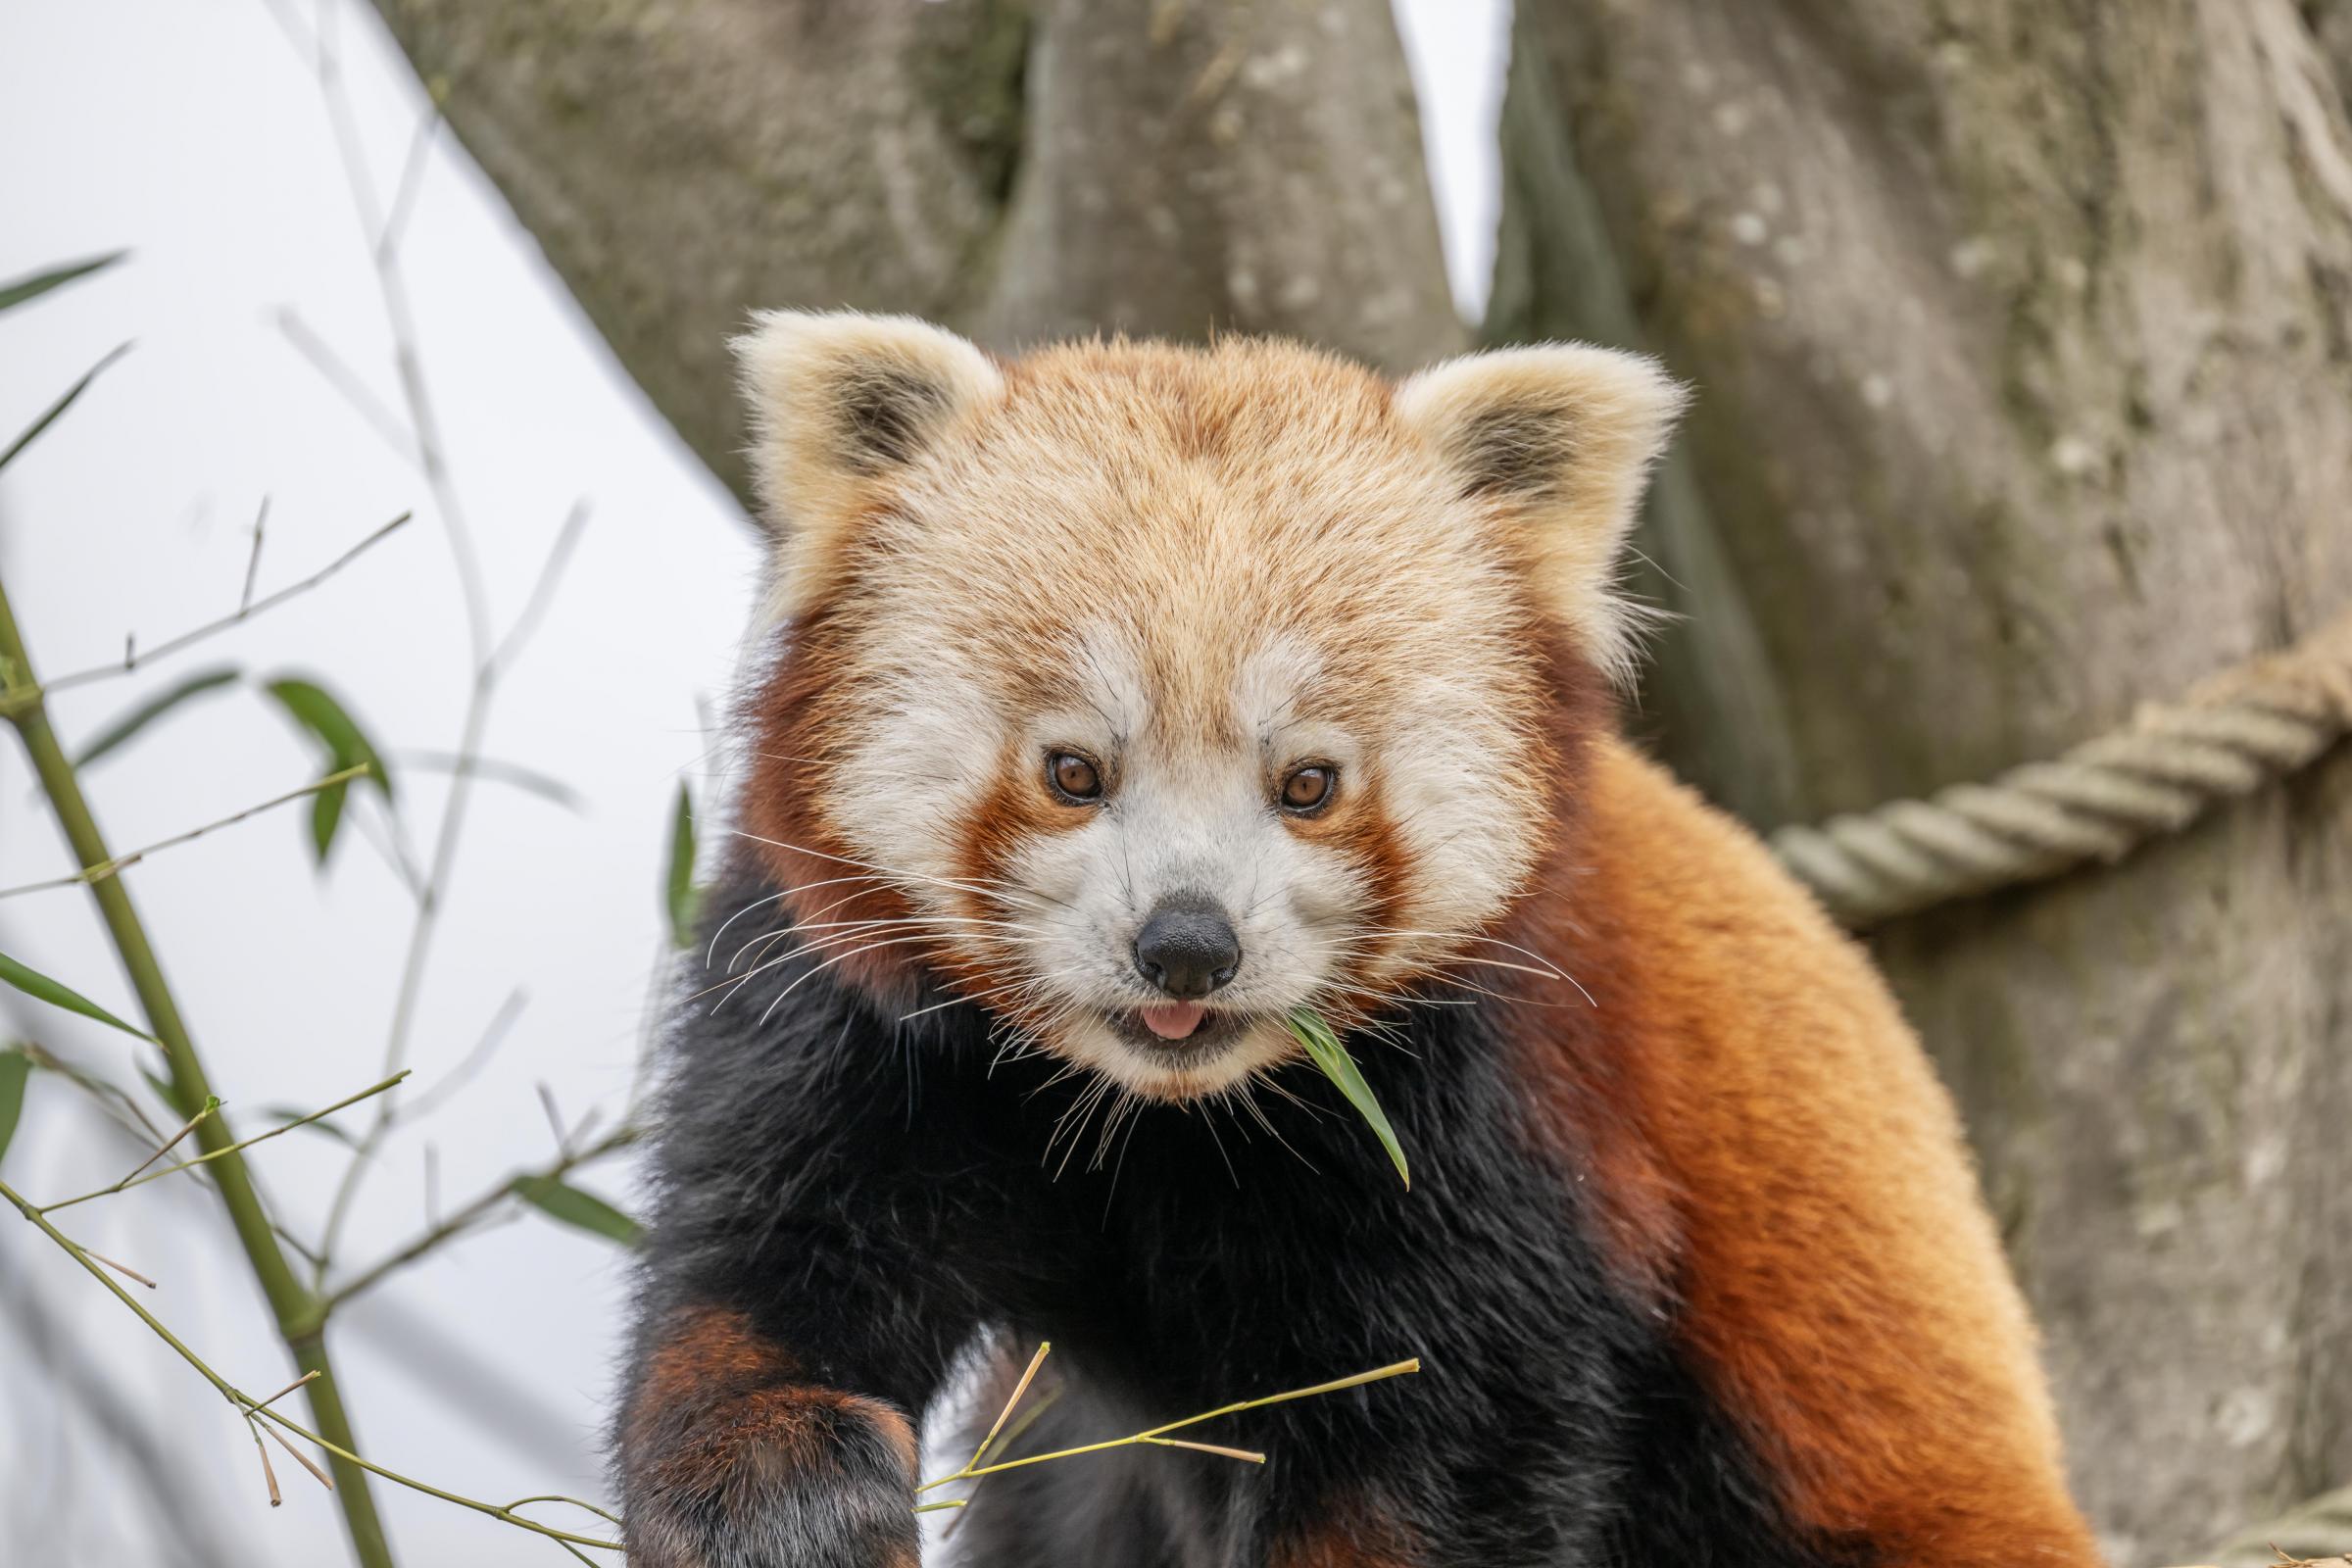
{"x": 2229, "y": 736}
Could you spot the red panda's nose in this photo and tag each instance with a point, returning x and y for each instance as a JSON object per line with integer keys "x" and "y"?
{"x": 1187, "y": 948}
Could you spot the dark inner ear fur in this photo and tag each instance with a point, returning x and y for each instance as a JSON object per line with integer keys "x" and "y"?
{"x": 1523, "y": 449}
{"x": 884, "y": 413}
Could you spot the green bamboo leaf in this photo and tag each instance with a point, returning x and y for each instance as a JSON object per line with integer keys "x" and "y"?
{"x": 27, "y": 288}
{"x": 311, "y": 706}
{"x": 128, "y": 727}
{"x": 15, "y": 1068}
{"x": 35, "y": 984}
{"x": 326, "y": 814}
{"x": 163, "y": 1087}
{"x": 1325, "y": 1049}
{"x": 561, "y": 1201}
{"x": 49, "y": 416}
{"x": 678, "y": 891}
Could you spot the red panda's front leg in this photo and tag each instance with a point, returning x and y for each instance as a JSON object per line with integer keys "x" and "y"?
{"x": 731, "y": 1457}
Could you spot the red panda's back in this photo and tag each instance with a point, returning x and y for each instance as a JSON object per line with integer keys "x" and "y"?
{"x": 1787, "y": 1167}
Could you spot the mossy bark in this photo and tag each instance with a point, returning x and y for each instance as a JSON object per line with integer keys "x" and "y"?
{"x": 1018, "y": 168}
{"x": 2020, "y": 337}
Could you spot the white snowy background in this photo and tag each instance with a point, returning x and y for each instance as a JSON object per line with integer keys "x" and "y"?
{"x": 194, "y": 135}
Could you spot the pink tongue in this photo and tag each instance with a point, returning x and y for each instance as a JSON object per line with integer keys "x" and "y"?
{"x": 1173, "y": 1020}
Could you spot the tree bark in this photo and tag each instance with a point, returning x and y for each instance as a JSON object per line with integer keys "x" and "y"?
{"x": 2020, "y": 332}
{"x": 1197, "y": 166}
{"x": 1019, "y": 172}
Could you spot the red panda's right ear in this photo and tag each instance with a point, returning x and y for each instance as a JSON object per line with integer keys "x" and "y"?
{"x": 1560, "y": 435}
{"x": 836, "y": 401}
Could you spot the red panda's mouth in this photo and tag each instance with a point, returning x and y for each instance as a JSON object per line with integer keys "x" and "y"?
{"x": 1173, "y": 1020}
{"x": 1170, "y": 1029}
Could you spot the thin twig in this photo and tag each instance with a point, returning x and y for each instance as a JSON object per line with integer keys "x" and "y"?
{"x": 468, "y": 1215}
{"x": 132, "y": 659}
{"x": 412, "y": 181}
{"x": 347, "y": 382}
{"x": 289, "y": 1387}
{"x": 970, "y": 1472}
{"x": 555, "y": 1119}
{"x": 493, "y": 1035}
{"x": 606, "y": 1514}
{"x": 276, "y": 1498}
{"x": 1045, "y": 1347}
{"x": 252, "y": 562}
{"x": 124, "y": 1112}
{"x": 301, "y": 1458}
{"x": 491, "y": 662}
{"x": 1003, "y": 1446}
{"x": 137, "y": 1180}
{"x": 124, "y": 1269}
{"x": 252, "y": 1409}
{"x": 123, "y": 863}
{"x": 543, "y": 587}
{"x": 1248, "y": 1456}
{"x": 173, "y": 1142}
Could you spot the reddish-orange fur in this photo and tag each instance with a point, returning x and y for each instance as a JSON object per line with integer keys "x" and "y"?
{"x": 717, "y": 1360}
{"x": 1356, "y": 1537}
{"x": 1774, "y": 1150}
{"x": 782, "y": 812}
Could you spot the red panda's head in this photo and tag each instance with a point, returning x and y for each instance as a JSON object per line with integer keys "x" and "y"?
{"x": 1144, "y": 695}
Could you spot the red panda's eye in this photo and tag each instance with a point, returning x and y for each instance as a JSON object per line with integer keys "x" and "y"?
{"x": 1309, "y": 787}
{"x": 1074, "y": 778}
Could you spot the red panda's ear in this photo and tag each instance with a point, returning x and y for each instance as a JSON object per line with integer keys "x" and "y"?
{"x": 1562, "y": 434}
{"x": 836, "y": 401}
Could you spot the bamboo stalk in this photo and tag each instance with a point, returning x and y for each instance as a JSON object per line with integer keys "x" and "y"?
{"x": 294, "y": 1306}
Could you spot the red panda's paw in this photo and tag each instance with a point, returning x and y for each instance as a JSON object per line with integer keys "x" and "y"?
{"x": 727, "y": 1463}
{"x": 785, "y": 1478}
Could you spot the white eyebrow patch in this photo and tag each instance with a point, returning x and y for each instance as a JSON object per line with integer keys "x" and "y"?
{"x": 1273, "y": 681}
{"x": 1273, "y": 697}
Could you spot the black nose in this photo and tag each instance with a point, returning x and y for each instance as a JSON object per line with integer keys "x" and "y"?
{"x": 1187, "y": 948}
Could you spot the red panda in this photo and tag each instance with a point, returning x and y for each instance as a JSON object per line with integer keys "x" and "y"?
{"x": 1123, "y": 701}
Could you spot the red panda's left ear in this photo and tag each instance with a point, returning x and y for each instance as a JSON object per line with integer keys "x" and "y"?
{"x": 1563, "y": 434}
{"x": 837, "y": 399}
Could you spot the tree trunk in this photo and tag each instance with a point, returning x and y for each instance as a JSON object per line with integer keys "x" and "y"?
{"x": 1019, "y": 172}
{"x": 2019, "y": 333}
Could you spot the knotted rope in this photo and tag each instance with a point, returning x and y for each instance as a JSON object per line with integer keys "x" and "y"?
{"x": 2226, "y": 737}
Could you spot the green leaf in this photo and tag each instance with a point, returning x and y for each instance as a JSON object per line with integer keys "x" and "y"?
{"x": 35, "y": 984}
{"x": 285, "y": 1115}
{"x": 561, "y": 1201}
{"x": 678, "y": 890}
{"x": 326, "y": 814}
{"x": 310, "y": 705}
{"x": 163, "y": 1087}
{"x": 346, "y": 745}
{"x": 1324, "y": 1048}
{"x": 49, "y": 417}
{"x": 27, "y": 288}
{"x": 15, "y": 1068}
{"x": 128, "y": 727}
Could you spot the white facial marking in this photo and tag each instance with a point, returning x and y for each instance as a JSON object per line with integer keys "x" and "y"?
{"x": 1185, "y": 815}
{"x": 929, "y": 755}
